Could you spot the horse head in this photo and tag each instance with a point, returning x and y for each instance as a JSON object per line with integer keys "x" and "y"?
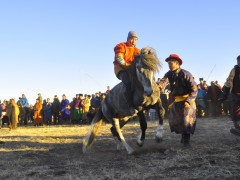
{"x": 147, "y": 64}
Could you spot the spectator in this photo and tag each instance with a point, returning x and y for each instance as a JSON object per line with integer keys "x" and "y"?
{"x": 76, "y": 110}
{"x": 24, "y": 102}
{"x": 200, "y": 101}
{"x": 12, "y": 113}
{"x": 81, "y": 107}
{"x": 64, "y": 110}
{"x": 85, "y": 105}
{"x": 56, "y": 110}
{"x": 205, "y": 86}
{"x": 96, "y": 101}
{"x": 38, "y": 119}
{"x": 47, "y": 118}
{"x": 213, "y": 95}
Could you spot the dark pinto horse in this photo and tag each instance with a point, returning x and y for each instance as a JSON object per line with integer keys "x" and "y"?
{"x": 114, "y": 108}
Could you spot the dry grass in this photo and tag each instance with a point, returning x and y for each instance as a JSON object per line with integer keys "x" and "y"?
{"x": 55, "y": 153}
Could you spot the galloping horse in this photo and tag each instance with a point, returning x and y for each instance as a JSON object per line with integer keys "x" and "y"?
{"x": 114, "y": 108}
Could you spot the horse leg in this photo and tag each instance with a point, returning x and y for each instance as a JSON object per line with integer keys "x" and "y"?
{"x": 143, "y": 125}
{"x": 116, "y": 136}
{"x": 122, "y": 139}
{"x": 160, "y": 113}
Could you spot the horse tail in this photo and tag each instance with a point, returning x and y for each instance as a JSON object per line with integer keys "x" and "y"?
{"x": 95, "y": 125}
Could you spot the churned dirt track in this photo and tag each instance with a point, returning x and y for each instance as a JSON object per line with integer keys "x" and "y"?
{"x": 56, "y": 153}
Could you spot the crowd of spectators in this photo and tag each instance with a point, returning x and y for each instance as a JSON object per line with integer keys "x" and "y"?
{"x": 82, "y": 108}
{"x": 207, "y": 101}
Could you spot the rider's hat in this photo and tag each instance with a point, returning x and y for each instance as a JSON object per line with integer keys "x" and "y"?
{"x": 132, "y": 34}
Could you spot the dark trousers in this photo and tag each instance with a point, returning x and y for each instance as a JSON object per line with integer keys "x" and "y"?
{"x": 235, "y": 110}
{"x": 123, "y": 75}
{"x": 26, "y": 116}
{"x": 55, "y": 118}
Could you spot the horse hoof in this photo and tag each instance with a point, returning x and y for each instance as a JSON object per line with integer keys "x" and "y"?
{"x": 140, "y": 143}
{"x": 131, "y": 153}
{"x": 120, "y": 147}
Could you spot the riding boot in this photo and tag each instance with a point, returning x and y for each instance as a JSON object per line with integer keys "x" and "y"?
{"x": 123, "y": 75}
{"x": 129, "y": 98}
{"x": 186, "y": 140}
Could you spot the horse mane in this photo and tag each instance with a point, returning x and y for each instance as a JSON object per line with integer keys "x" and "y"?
{"x": 149, "y": 59}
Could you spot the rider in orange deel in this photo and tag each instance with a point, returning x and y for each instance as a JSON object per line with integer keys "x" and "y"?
{"x": 124, "y": 56}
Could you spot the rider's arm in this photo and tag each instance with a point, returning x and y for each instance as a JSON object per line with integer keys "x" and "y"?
{"x": 119, "y": 59}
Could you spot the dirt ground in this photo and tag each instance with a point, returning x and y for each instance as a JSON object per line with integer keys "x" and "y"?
{"x": 56, "y": 153}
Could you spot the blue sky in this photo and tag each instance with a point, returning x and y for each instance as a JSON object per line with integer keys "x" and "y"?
{"x": 66, "y": 46}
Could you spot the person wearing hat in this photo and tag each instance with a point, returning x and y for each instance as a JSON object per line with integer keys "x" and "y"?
{"x": 213, "y": 105}
{"x": 64, "y": 110}
{"x": 183, "y": 93}
{"x": 76, "y": 110}
{"x": 40, "y": 98}
{"x": 232, "y": 86}
{"x": 24, "y": 102}
{"x": 124, "y": 56}
{"x": 38, "y": 116}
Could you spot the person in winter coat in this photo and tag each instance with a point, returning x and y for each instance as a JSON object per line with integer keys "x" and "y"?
{"x": 12, "y": 112}
{"x": 47, "y": 107}
{"x": 232, "y": 87}
{"x": 38, "y": 116}
{"x": 182, "y": 108}
{"x": 124, "y": 56}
